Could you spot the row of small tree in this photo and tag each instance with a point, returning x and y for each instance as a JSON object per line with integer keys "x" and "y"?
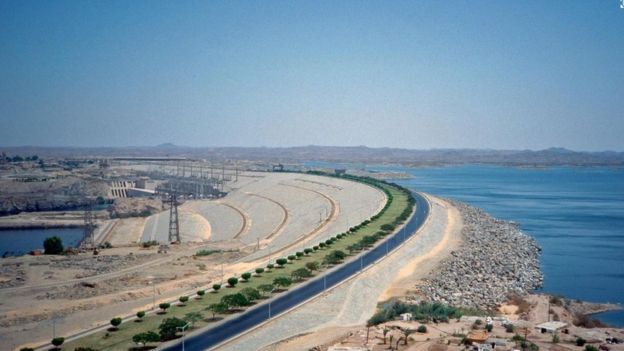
{"x": 233, "y": 302}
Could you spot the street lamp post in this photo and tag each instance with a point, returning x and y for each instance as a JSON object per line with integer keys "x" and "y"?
{"x": 183, "y": 328}
{"x": 153, "y": 282}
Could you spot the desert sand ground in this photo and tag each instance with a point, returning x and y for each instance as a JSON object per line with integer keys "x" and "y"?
{"x": 266, "y": 215}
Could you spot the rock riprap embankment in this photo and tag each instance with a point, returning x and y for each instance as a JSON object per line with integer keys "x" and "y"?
{"x": 495, "y": 260}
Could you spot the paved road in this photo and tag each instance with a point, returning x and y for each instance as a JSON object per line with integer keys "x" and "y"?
{"x": 261, "y": 313}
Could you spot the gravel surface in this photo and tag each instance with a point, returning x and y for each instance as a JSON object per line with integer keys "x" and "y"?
{"x": 496, "y": 260}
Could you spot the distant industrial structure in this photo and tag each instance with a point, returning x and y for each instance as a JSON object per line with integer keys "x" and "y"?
{"x": 174, "y": 224}
{"x": 88, "y": 240}
{"x": 156, "y": 175}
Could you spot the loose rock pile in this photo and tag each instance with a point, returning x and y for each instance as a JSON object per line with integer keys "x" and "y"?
{"x": 495, "y": 260}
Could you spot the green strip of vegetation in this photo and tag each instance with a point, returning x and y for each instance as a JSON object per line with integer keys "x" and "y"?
{"x": 249, "y": 288}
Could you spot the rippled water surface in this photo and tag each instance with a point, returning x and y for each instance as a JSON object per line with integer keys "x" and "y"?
{"x": 16, "y": 242}
{"x": 576, "y": 215}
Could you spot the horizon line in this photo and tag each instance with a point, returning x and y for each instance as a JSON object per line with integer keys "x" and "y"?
{"x": 174, "y": 146}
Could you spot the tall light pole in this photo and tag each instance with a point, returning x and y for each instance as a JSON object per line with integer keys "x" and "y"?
{"x": 183, "y": 328}
{"x": 152, "y": 281}
{"x": 54, "y": 319}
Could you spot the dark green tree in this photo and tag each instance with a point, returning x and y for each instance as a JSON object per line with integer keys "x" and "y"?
{"x": 265, "y": 288}
{"x": 144, "y": 338}
{"x": 246, "y": 276}
{"x": 282, "y": 282}
{"x": 300, "y": 274}
{"x": 163, "y": 306}
{"x": 140, "y": 315}
{"x": 53, "y": 245}
{"x": 235, "y": 300}
{"x": 218, "y": 308}
{"x": 313, "y": 266}
{"x": 169, "y": 327}
{"x": 251, "y": 294}
{"x": 115, "y": 322}
{"x": 334, "y": 257}
{"x": 232, "y": 281}
{"x": 58, "y": 341}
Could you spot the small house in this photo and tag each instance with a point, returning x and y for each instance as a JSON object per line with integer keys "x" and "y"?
{"x": 406, "y": 316}
{"x": 551, "y": 327}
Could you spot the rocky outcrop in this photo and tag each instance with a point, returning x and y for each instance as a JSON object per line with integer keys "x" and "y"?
{"x": 134, "y": 207}
{"x": 495, "y": 260}
{"x": 53, "y": 195}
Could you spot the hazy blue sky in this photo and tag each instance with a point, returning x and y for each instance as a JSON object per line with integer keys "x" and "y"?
{"x": 415, "y": 74}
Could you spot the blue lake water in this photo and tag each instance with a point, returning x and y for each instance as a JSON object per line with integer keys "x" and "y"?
{"x": 16, "y": 242}
{"x": 575, "y": 214}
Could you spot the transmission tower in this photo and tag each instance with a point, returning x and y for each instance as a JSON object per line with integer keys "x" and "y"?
{"x": 174, "y": 224}
{"x": 88, "y": 240}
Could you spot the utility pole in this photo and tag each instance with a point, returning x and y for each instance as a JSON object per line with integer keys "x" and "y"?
{"x": 174, "y": 224}
{"x": 89, "y": 228}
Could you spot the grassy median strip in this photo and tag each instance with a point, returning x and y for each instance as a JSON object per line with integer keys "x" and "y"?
{"x": 298, "y": 267}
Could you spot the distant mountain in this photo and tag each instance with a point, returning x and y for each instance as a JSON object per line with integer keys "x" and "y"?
{"x": 356, "y": 154}
{"x": 166, "y": 146}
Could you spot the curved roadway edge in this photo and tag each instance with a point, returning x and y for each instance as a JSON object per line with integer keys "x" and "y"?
{"x": 335, "y": 210}
{"x": 227, "y": 330}
{"x": 280, "y": 227}
{"x": 246, "y": 220}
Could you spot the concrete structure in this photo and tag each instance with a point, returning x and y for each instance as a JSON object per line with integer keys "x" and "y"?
{"x": 139, "y": 192}
{"x": 119, "y": 188}
{"x": 406, "y": 316}
{"x": 551, "y": 327}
